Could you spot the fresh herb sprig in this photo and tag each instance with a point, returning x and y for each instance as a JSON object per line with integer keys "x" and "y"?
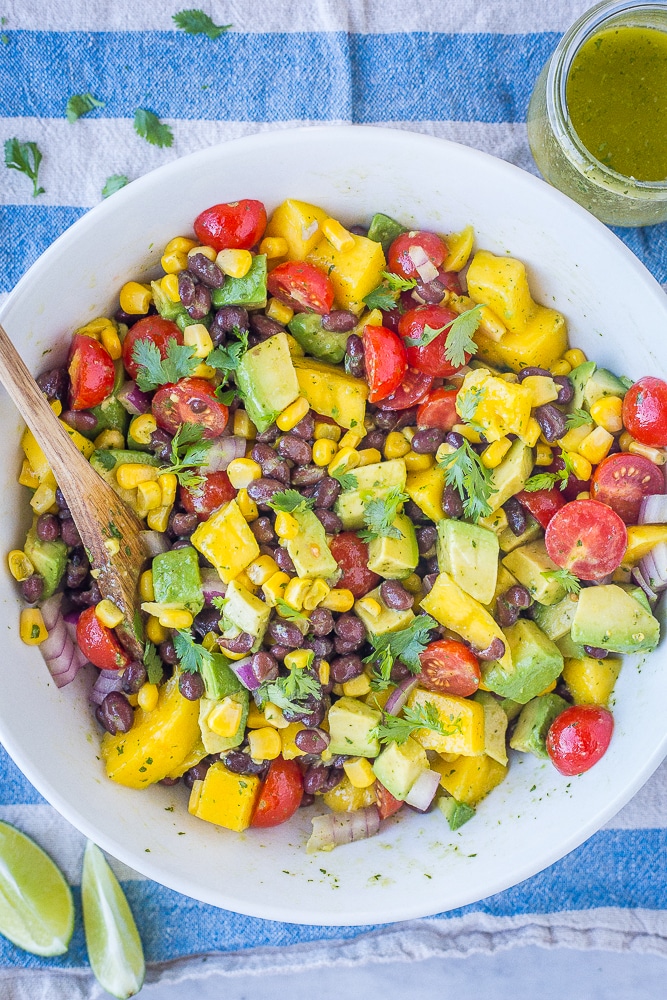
{"x": 291, "y": 502}
{"x": 380, "y": 514}
{"x": 567, "y": 580}
{"x": 394, "y": 729}
{"x": 149, "y": 127}
{"x": 188, "y": 451}
{"x": 289, "y": 613}
{"x": 385, "y": 296}
{"x": 291, "y": 692}
{"x": 541, "y": 481}
{"x": 191, "y": 655}
{"x": 347, "y": 480}
{"x": 578, "y": 418}
{"x": 26, "y": 158}
{"x": 196, "y": 22}
{"x": 81, "y": 104}
{"x": 113, "y": 184}
{"x": 154, "y": 370}
{"x": 471, "y": 480}
{"x": 467, "y": 403}
{"x": 405, "y": 645}
{"x": 152, "y": 663}
{"x": 226, "y": 359}
{"x": 459, "y": 341}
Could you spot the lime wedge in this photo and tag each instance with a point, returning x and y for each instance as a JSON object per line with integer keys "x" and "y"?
{"x": 36, "y": 908}
{"x": 114, "y": 946}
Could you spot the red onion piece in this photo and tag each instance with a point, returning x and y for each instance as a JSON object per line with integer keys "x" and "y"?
{"x": 653, "y": 510}
{"x": 107, "y": 681}
{"x": 335, "y": 829}
{"x": 155, "y": 542}
{"x": 423, "y": 790}
{"x": 51, "y": 610}
{"x": 654, "y": 566}
{"x": 639, "y": 578}
{"x": 72, "y": 617}
{"x": 245, "y": 673}
{"x": 212, "y": 586}
{"x": 60, "y": 653}
{"x": 400, "y": 695}
{"x": 223, "y": 451}
{"x": 133, "y": 400}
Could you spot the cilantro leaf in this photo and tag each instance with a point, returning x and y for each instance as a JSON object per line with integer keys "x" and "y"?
{"x": 196, "y": 22}
{"x": 226, "y": 359}
{"x": 113, "y": 184}
{"x": 467, "y": 403}
{"x": 397, "y": 283}
{"x": 26, "y": 158}
{"x": 290, "y": 613}
{"x": 347, "y": 480}
{"x": 153, "y": 664}
{"x": 459, "y": 339}
{"x": 81, "y": 104}
{"x": 542, "y": 481}
{"x": 380, "y": 513}
{"x": 405, "y": 645}
{"x": 219, "y": 602}
{"x": 291, "y": 692}
{"x": 188, "y": 451}
{"x": 154, "y": 370}
{"x": 577, "y": 419}
{"x": 149, "y": 127}
{"x": 566, "y": 579}
{"x": 228, "y": 395}
{"x": 393, "y": 729}
{"x": 381, "y": 298}
{"x": 291, "y": 502}
{"x": 471, "y": 480}
{"x": 190, "y": 654}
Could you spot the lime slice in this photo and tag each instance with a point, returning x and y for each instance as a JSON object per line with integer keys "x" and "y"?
{"x": 114, "y": 946}
{"x": 36, "y": 908}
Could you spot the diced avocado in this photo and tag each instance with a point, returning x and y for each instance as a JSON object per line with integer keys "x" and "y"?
{"x": 602, "y": 383}
{"x": 555, "y": 620}
{"x": 332, "y": 392}
{"x": 218, "y": 744}
{"x": 395, "y": 558}
{"x": 177, "y": 580}
{"x": 510, "y": 708}
{"x": 110, "y": 414}
{"x": 248, "y": 291}
{"x": 267, "y": 379}
{"x": 383, "y": 229}
{"x": 48, "y": 558}
{"x": 570, "y": 649}
{"x": 245, "y": 611}
{"x": 495, "y": 726}
{"x": 456, "y": 813}
{"x": 638, "y": 595}
{"x": 219, "y": 678}
{"x": 399, "y": 766}
{"x": 508, "y": 541}
{"x": 351, "y": 725}
{"x": 106, "y": 461}
{"x": 309, "y": 551}
{"x": 529, "y": 563}
{"x": 530, "y": 733}
{"x": 609, "y": 618}
{"x": 511, "y": 475}
{"x": 175, "y": 311}
{"x": 387, "y": 621}
{"x": 373, "y": 482}
{"x": 227, "y": 541}
{"x": 579, "y": 376}
{"x": 470, "y": 555}
{"x": 537, "y": 662}
{"x": 306, "y": 328}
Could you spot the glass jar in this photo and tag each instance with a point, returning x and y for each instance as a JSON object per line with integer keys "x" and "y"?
{"x": 559, "y": 153}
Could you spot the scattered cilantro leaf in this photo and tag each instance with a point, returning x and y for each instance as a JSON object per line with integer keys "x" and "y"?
{"x": 153, "y": 664}
{"x": 577, "y": 419}
{"x": 467, "y": 403}
{"x": 566, "y": 579}
{"x": 379, "y": 515}
{"x": 290, "y": 613}
{"x": 105, "y": 459}
{"x": 347, "y": 480}
{"x": 26, "y": 158}
{"x": 459, "y": 339}
{"x": 397, "y": 283}
{"x": 405, "y": 645}
{"x": 154, "y": 370}
{"x": 292, "y": 691}
{"x": 381, "y": 298}
{"x": 188, "y": 451}
{"x": 291, "y": 502}
{"x": 113, "y": 184}
{"x": 393, "y": 729}
{"x": 226, "y": 359}
{"x": 219, "y": 602}
{"x": 471, "y": 480}
{"x": 191, "y": 654}
{"x": 542, "y": 481}
{"x": 149, "y": 127}
{"x": 81, "y": 104}
{"x": 228, "y": 395}
{"x": 196, "y": 22}
{"x": 427, "y": 335}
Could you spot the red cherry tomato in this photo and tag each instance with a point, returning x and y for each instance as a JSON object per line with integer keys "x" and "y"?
{"x": 645, "y": 411}
{"x": 208, "y": 496}
{"x": 302, "y": 286}
{"x": 622, "y": 481}
{"x": 387, "y": 804}
{"x": 587, "y": 538}
{"x": 351, "y": 554}
{"x": 400, "y": 258}
{"x": 411, "y": 391}
{"x": 159, "y": 331}
{"x": 281, "y": 794}
{"x": 190, "y": 401}
{"x": 91, "y": 373}
{"x": 449, "y": 667}
{"x": 439, "y": 410}
{"x": 542, "y": 504}
{"x": 579, "y": 737}
{"x": 234, "y": 225}
{"x": 430, "y": 358}
{"x": 99, "y": 643}
{"x": 386, "y": 364}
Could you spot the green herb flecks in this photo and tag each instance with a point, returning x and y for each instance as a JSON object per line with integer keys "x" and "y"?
{"x": 154, "y": 370}
{"x": 149, "y": 127}
{"x": 347, "y": 480}
{"x": 578, "y": 418}
{"x": 188, "y": 451}
{"x": 393, "y": 729}
{"x": 81, "y": 104}
{"x": 289, "y": 613}
{"x": 405, "y": 645}
{"x": 196, "y": 22}
{"x": 567, "y": 580}
{"x": 471, "y": 480}
{"x": 113, "y": 184}
{"x": 26, "y": 158}
{"x": 291, "y": 502}
{"x": 191, "y": 655}
{"x": 380, "y": 514}
{"x": 385, "y": 296}
{"x": 291, "y": 692}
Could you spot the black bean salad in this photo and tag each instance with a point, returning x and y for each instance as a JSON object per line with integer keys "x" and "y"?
{"x": 395, "y": 527}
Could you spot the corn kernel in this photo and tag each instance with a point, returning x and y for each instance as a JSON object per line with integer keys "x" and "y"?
{"x": 575, "y": 357}
{"x": 338, "y": 599}
{"x": 444, "y": 451}
{"x": 370, "y": 606}
{"x": 244, "y": 580}
{"x": 20, "y": 566}
{"x": 274, "y": 717}
{"x": 235, "y": 263}
{"x": 606, "y": 412}
{"x": 327, "y": 432}
{"x": 205, "y": 371}
{"x": 242, "y": 472}
{"x": 246, "y": 505}
{"x": 274, "y": 588}
{"x": 344, "y": 460}
{"x": 112, "y": 545}
{"x": 146, "y": 589}
{"x": 561, "y": 367}
{"x": 293, "y": 413}
{"x": 493, "y": 455}
{"x": 176, "y": 618}
{"x": 95, "y": 327}
{"x": 169, "y": 285}
{"x": 149, "y": 497}
{"x": 510, "y": 377}
{"x": 655, "y": 455}
{"x": 372, "y": 318}
{"x": 324, "y": 672}
{"x": 581, "y": 467}
{"x": 596, "y": 446}
{"x": 415, "y": 462}
{"x": 181, "y": 244}
{"x": 147, "y": 697}
{"x": 233, "y": 656}
{"x": 27, "y": 477}
{"x": 542, "y": 389}
{"x": 155, "y": 632}
{"x": 262, "y": 569}
{"x": 286, "y": 526}
{"x": 31, "y": 627}
{"x": 625, "y": 440}
{"x": 369, "y": 456}
{"x": 279, "y": 311}
{"x": 296, "y": 590}
{"x": 294, "y": 347}
{"x": 359, "y": 771}
{"x": 135, "y": 298}
{"x": 255, "y": 719}
{"x": 316, "y": 594}
{"x": 412, "y": 584}
{"x": 468, "y": 432}
{"x": 337, "y": 689}
{"x": 108, "y": 613}
{"x": 243, "y": 426}
{"x": 209, "y": 252}
{"x": 142, "y": 428}
{"x": 109, "y": 438}
{"x": 130, "y": 474}
{"x": 168, "y": 482}
{"x": 573, "y": 438}
{"x": 408, "y": 433}
{"x": 299, "y": 659}
{"x": 351, "y": 439}
{"x": 111, "y": 342}
{"x": 584, "y": 495}
{"x": 395, "y": 446}
{"x": 197, "y": 336}
{"x": 210, "y": 642}
{"x": 225, "y": 717}
{"x": 264, "y": 744}
{"x": 174, "y": 262}
{"x": 324, "y": 451}
{"x": 43, "y": 499}
{"x": 544, "y": 454}
{"x": 357, "y": 687}
{"x": 337, "y": 235}
{"x": 273, "y": 247}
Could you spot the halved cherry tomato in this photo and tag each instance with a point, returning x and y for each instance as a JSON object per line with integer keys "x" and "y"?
{"x": 411, "y": 391}
{"x": 400, "y": 258}
{"x": 190, "y": 401}
{"x": 579, "y": 737}
{"x": 431, "y": 357}
{"x": 302, "y": 286}
{"x": 98, "y": 642}
{"x": 439, "y": 410}
{"x": 622, "y": 481}
{"x": 351, "y": 554}
{"x": 387, "y": 804}
{"x": 587, "y": 538}
{"x": 645, "y": 411}
{"x": 281, "y": 794}
{"x": 385, "y": 360}
{"x": 233, "y": 225}
{"x": 450, "y": 667}
{"x": 208, "y": 496}
{"x": 159, "y": 331}
{"x": 91, "y": 373}
{"x": 542, "y": 504}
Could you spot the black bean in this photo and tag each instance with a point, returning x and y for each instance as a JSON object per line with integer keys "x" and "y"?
{"x": 241, "y": 643}
{"x": 339, "y": 321}
{"x": 196, "y": 773}
{"x": 428, "y": 581}
{"x": 70, "y": 533}
{"x": 180, "y": 543}
{"x": 321, "y": 622}
{"x": 32, "y": 588}
{"x": 284, "y": 561}
{"x": 54, "y": 384}
{"x": 596, "y": 652}
{"x": 280, "y": 652}
{"x": 551, "y": 420}
{"x": 82, "y": 421}
{"x": 270, "y": 462}
{"x": 134, "y": 677}
{"x": 206, "y": 270}
{"x": 452, "y": 504}
{"x": 426, "y": 538}
{"x": 415, "y": 513}
{"x": 307, "y": 475}
{"x": 264, "y": 327}
{"x": 506, "y": 614}
{"x": 160, "y": 444}
{"x": 431, "y": 292}
{"x": 169, "y": 781}
{"x": 262, "y": 529}
{"x": 354, "y": 356}
{"x": 167, "y": 652}
{"x": 492, "y": 652}
{"x": 264, "y": 666}
{"x": 116, "y": 714}
{"x": 76, "y": 573}
{"x": 295, "y": 449}
{"x": 305, "y": 428}
{"x": 330, "y": 521}
{"x": 428, "y": 441}
{"x": 286, "y": 634}
{"x": 326, "y": 492}
{"x": 270, "y": 435}
{"x": 84, "y": 598}
{"x": 565, "y": 389}
{"x": 323, "y": 646}
{"x": 312, "y": 740}
{"x": 191, "y": 686}
{"x": 186, "y": 288}
{"x": 519, "y": 596}
{"x": 346, "y": 668}
{"x": 348, "y": 626}
{"x": 240, "y": 762}
{"x": 47, "y": 527}
{"x": 201, "y": 303}
{"x": 454, "y": 439}
{"x": 395, "y": 596}
{"x": 516, "y": 516}
{"x": 306, "y": 800}
{"x": 374, "y": 439}
{"x": 183, "y": 524}
{"x": 532, "y": 370}
{"x": 263, "y": 490}
{"x": 311, "y": 713}
{"x": 129, "y": 319}
{"x": 315, "y": 778}
{"x": 206, "y": 621}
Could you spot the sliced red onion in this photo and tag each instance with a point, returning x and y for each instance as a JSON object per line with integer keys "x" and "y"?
{"x": 603, "y": 581}
{"x": 211, "y": 585}
{"x": 133, "y": 400}
{"x": 400, "y": 695}
{"x": 335, "y": 829}
{"x": 245, "y": 673}
{"x": 653, "y": 510}
{"x": 107, "y": 681}
{"x": 654, "y": 567}
{"x": 72, "y": 617}
{"x": 423, "y": 790}
{"x": 155, "y": 542}
{"x": 424, "y": 266}
{"x": 223, "y": 451}
{"x": 61, "y": 655}
{"x": 639, "y": 578}
{"x": 51, "y": 611}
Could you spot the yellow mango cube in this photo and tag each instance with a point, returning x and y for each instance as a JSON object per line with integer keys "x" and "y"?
{"x": 641, "y": 539}
{"x": 298, "y": 223}
{"x": 459, "y": 246}
{"x": 346, "y": 798}
{"x": 502, "y": 284}
{"x": 461, "y": 718}
{"x": 541, "y": 344}
{"x": 332, "y": 392}
{"x": 353, "y": 273}
{"x": 470, "y": 779}
{"x": 227, "y": 541}
{"x": 225, "y": 798}
{"x": 426, "y": 488}
{"x": 591, "y": 681}
{"x": 502, "y": 407}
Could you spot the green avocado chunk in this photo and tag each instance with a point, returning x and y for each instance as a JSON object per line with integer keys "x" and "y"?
{"x": 48, "y": 558}
{"x": 177, "y": 580}
{"x": 555, "y": 620}
{"x": 530, "y": 733}
{"x": 219, "y": 678}
{"x": 351, "y": 728}
{"x": 306, "y": 328}
{"x": 110, "y": 414}
{"x": 372, "y": 482}
{"x": 529, "y": 564}
{"x": 456, "y": 813}
{"x": 309, "y": 551}
{"x": 610, "y": 618}
{"x": 383, "y": 229}
{"x": 469, "y": 553}
{"x": 399, "y": 766}
{"x": 245, "y": 612}
{"x": 603, "y": 383}
{"x": 248, "y": 291}
{"x": 105, "y": 461}
{"x": 579, "y": 376}
{"x": 267, "y": 379}
{"x": 395, "y": 558}
{"x": 536, "y": 659}
{"x": 511, "y": 475}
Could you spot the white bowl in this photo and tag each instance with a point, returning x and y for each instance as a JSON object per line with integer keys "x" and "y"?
{"x": 614, "y": 310}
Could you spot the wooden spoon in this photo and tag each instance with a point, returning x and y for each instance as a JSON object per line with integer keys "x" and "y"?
{"x": 109, "y": 529}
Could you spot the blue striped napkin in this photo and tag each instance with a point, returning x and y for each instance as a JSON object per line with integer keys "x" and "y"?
{"x": 462, "y": 71}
